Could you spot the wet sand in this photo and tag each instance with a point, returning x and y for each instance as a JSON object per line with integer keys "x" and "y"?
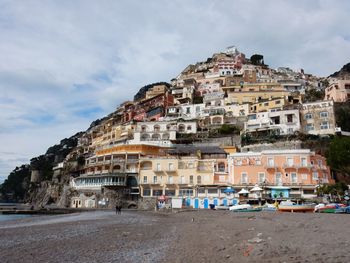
{"x": 196, "y": 236}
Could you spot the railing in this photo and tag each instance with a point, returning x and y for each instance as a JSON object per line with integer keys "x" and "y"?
{"x": 289, "y": 165}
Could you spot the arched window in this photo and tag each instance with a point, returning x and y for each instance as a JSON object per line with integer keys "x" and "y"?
{"x": 143, "y": 128}
{"x": 156, "y": 137}
{"x": 181, "y": 128}
{"x": 189, "y": 127}
{"x": 146, "y": 165}
{"x": 145, "y": 137}
{"x": 166, "y": 136}
{"x": 156, "y": 128}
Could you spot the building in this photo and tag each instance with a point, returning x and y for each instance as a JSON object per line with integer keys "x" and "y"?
{"x": 114, "y": 168}
{"x": 161, "y": 133}
{"x": 281, "y": 122}
{"x": 197, "y": 174}
{"x": 255, "y": 92}
{"x": 318, "y": 117}
{"x": 280, "y": 173}
{"x": 338, "y": 91}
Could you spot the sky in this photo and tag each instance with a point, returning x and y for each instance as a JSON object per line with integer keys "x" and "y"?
{"x": 64, "y": 63}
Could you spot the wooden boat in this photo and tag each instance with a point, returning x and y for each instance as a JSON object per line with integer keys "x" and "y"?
{"x": 288, "y": 206}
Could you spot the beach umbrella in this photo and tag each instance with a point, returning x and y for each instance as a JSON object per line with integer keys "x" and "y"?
{"x": 229, "y": 190}
{"x": 243, "y": 191}
{"x": 256, "y": 189}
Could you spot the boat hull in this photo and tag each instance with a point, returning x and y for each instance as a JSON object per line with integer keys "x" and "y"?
{"x": 296, "y": 208}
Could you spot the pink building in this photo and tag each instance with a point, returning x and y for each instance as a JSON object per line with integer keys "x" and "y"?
{"x": 296, "y": 173}
{"x": 338, "y": 91}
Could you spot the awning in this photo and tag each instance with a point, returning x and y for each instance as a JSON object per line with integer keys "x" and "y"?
{"x": 243, "y": 191}
{"x": 229, "y": 190}
{"x": 256, "y": 188}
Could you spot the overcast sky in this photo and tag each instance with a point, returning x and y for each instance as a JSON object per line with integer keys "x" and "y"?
{"x": 65, "y": 63}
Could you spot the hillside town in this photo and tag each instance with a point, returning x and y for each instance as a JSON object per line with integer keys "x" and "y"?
{"x": 224, "y": 129}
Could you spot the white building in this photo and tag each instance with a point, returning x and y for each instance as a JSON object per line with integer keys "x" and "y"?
{"x": 283, "y": 122}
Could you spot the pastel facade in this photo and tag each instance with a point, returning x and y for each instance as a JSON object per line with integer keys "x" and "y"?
{"x": 298, "y": 170}
{"x": 338, "y": 91}
{"x": 318, "y": 118}
{"x": 251, "y": 93}
{"x": 283, "y": 122}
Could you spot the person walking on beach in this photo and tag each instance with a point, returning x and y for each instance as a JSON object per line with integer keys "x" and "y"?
{"x": 118, "y": 208}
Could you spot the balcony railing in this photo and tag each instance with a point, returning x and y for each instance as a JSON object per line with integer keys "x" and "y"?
{"x": 289, "y": 165}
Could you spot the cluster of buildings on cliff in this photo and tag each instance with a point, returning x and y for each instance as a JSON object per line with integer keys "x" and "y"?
{"x": 153, "y": 146}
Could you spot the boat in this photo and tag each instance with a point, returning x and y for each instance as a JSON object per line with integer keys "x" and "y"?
{"x": 288, "y": 206}
{"x": 253, "y": 209}
{"x": 343, "y": 210}
{"x": 269, "y": 208}
{"x": 240, "y": 207}
{"x": 329, "y": 208}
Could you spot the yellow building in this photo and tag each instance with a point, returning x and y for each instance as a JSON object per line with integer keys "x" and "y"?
{"x": 252, "y": 93}
{"x": 268, "y": 104}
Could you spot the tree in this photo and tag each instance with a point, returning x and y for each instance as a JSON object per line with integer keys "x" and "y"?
{"x": 257, "y": 59}
{"x": 339, "y": 155}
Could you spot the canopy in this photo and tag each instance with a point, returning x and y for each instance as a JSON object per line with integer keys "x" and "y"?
{"x": 229, "y": 190}
{"x": 243, "y": 191}
{"x": 256, "y": 189}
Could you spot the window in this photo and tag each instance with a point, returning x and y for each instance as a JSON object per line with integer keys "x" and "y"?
{"x": 154, "y": 179}
{"x": 170, "y": 179}
{"x": 270, "y": 162}
{"x": 191, "y": 179}
{"x": 261, "y": 178}
{"x": 314, "y": 176}
{"x": 158, "y": 167}
{"x": 188, "y": 110}
{"x": 221, "y": 167}
{"x": 199, "y": 179}
{"x": 189, "y": 127}
{"x": 303, "y": 162}
{"x": 190, "y": 165}
{"x": 290, "y": 130}
{"x": 244, "y": 178}
{"x": 324, "y": 125}
{"x": 212, "y": 190}
{"x": 277, "y": 102}
{"x": 201, "y": 191}
{"x": 304, "y": 176}
{"x": 309, "y": 127}
{"x": 323, "y": 114}
{"x": 308, "y": 116}
{"x": 145, "y": 179}
{"x": 185, "y": 192}
{"x": 278, "y": 179}
{"x": 171, "y": 167}
{"x": 294, "y": 178}
{"x": 182, "y": 179}
{"x": 290, "y": 161}
{"x": 289, "y": 118}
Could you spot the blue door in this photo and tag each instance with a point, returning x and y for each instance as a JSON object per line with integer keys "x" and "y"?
{"x": 206, "y": 203}
{"x": 216, "y": 202}
{"x": 188, "y": 202}
{"x": 234, "y": 201}
{"x": 225, "y": 202}
{"x": 196, "y": 203}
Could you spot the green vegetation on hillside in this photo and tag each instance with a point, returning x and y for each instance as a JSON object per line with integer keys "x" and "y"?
{"x": 15, "y": 186}
{"x": 342, "y": 115}
{"x": 338, "y": 157}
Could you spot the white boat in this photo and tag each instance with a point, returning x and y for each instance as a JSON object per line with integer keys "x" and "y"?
{"x": 240, "y": 207}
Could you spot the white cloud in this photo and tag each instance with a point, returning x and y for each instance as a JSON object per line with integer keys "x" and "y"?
{"x": 65, "y": 63}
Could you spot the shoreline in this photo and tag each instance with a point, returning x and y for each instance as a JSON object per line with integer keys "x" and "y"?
{"x": 194, "y": 236}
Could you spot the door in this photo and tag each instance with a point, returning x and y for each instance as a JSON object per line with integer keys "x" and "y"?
{"x": 188, "y": 201}
{"x": 216, "y": 202}
{"x": 225, "y": 202}
{"x": 196, "y": 203}
{"x": 206, "y": 203}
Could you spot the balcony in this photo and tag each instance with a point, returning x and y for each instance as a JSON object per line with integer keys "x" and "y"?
{"x": 270, "y": 166}
{"x": 290, "y": 166}
{"x": 119, "y": 160}
{"x": 132, "y": 160}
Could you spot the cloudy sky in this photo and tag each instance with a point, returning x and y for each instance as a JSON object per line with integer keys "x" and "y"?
{"x": 65, "y": 63}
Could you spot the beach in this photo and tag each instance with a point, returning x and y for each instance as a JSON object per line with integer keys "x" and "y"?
{"x": 191, "y": 236}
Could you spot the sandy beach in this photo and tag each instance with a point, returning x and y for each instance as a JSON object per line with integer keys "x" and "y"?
{"x": 195, "y": 236}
